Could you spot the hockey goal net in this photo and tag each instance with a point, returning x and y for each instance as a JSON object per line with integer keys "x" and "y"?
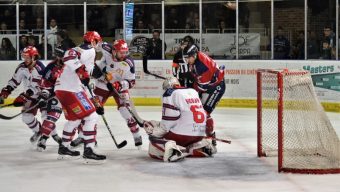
{"x": 292, "y": 125}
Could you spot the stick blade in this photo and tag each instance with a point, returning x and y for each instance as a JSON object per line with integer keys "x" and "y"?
{"x": 6, "y": 117}
{"x": 122, "y": 144}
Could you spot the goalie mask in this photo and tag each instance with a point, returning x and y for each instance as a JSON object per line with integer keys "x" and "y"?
{"x": 170, "y": 82}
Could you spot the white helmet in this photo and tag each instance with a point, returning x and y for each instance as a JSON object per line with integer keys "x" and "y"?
{"x": 170, "y": 82}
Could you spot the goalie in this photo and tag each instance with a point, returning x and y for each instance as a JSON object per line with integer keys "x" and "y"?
{"x": 182, "y": 129}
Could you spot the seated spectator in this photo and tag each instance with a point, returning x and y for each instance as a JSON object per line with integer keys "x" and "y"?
{"x": 52, "y": 37}
{"x": 39, "y": 26}
{"x": 32, "y": 41}
{"x": 7, "y": 51}
{"x": 140, "y": 28}
{"x": 64, "y": 40}
{"x": 41, "y": 49}
{"x": 313, "y": 46}
{"x": 330, "y": 35}
{"x": 22, "y": 26}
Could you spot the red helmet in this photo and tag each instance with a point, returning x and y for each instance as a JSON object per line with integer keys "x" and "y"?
{"x": 92, "y": 36}
{"x": 30, "y": 51}
{"x": 120, "y": 45}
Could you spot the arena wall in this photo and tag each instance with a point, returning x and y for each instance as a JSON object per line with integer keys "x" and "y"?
{"x": 240, "y": 76}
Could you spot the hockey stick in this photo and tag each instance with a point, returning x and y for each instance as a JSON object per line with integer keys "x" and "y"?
{"x": 220, "y": 140}
{"x": 7, "y": 105}
{"x": 145, "y": 68}
{"x": 120, "y": 145}
{"x": 26, "y": 110}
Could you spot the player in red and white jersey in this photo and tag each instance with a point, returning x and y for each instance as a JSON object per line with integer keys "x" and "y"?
{"x": 53, "y": 106}
{"x": 183, "y": 127}
{"x": 28, "y": 73}
{"x": 208, "y": 81}
{"x": 70, "y": 89}
{"x": 116, "y": 70}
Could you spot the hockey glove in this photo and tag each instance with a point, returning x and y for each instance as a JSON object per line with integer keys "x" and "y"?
{"x": 83, "y": 75}
{"x": 21, "y": 100}
{"x": 99, "y": 107}
{"x": 116, "y": 85}
{"x": 6, "y": 91}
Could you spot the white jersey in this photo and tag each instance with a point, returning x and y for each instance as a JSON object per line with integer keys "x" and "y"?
{"x": 183, "y": 112}
{"x": 122, "y": 71}
{"x": 29, "y": 77}
{"x": 73, "y": 59}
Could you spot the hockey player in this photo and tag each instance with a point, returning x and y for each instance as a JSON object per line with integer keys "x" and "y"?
{"x": 70, "y": 89}
{"x": 116, "y": 70}
{"x": 183, "y": 127}
{"x": 53, "y": 107}
{"x": 180, "y": 68}
{"x": 208, "y": 81}
{"x": 29, "y": 72}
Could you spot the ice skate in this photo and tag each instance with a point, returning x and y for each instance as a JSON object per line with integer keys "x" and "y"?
{"x": 77, "y": 142}
{"x": 35, "y": 137}
{"x": 57, "y": 139}
{"x": 66, "y": 153}
{"x": 41, "y": 146}
{"x": 92, "y": 158}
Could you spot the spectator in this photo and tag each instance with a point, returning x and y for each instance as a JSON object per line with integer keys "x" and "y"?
{"x": 39, "y": 25}
{"x": 140, "y": 28}
{"x": 326, "y": 52}
{"x": 64, "y": 40}
{"x": 22, "y": 26}
{"x": 313, "y": 51}
{"x": 41, "y": 49}
{"x": 23, "y": 42}
{"x": 52, "y": 37}
{"x": 281, "y": 45}
{"x": 154, "y": 50}
{"x": 4, "y": 29}
{"x": 7, "y": 51}
{"x": 299, "y": 47}
{"x": 222, "y": 26}
{"x": 329, "y": 34}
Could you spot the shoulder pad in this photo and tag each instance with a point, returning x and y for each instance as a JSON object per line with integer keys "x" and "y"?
{"x": 21, "y": 65}
{"x": 168, "y": 92}
{"x": 107, "y": 47}
{"x": 40, "y": 67}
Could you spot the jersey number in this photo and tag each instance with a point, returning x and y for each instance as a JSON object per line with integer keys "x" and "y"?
{"x": 198, "y": 115}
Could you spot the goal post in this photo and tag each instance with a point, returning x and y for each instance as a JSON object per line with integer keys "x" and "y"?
{"x": 292, "y": 125}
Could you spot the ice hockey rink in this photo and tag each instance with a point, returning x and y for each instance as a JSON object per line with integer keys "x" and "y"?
{"x": 234, "y": 168}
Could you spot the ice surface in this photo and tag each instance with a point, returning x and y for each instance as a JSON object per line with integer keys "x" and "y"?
{"x": 234, "y": 168}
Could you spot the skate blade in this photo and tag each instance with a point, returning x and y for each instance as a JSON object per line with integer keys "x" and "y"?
{"x": 93, "y": 162}
{"x": 68, "y": 157}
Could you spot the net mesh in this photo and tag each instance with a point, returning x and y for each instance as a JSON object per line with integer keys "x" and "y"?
{"x": 309, "y": 140}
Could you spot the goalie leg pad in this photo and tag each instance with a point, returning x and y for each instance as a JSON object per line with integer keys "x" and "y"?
{"x": 203, "y": 148}
{"x": 156, "y": 150}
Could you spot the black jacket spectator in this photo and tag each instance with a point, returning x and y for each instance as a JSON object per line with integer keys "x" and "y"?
{"x": 281, "y": 46}
{"x": 7, "y": 51}
{"x": 154, "y": 50}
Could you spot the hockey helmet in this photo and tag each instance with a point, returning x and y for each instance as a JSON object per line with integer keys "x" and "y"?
{"x": 31, "y": 52}
{"x": 121, "y": 46}
{"x": 190, "y": 51}
{"x": 170, "y": 82}
{"x": 188, "y": 40}
{"x": 91, "y": 36}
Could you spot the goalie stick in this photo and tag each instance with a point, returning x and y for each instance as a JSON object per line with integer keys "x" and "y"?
{"x": 120, "y": 145}
{"x": 26, "y": 110}
{"x": 145, "y": 68}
